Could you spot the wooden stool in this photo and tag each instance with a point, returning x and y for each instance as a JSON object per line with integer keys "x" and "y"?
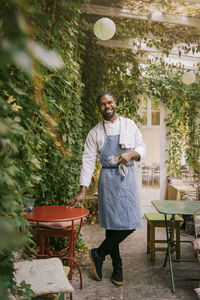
{"x": 158, "y": 220}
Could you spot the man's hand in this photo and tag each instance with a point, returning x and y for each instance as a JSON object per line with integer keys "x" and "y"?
{"x": 124, "y": 157}
{"x": 79, "y": 198}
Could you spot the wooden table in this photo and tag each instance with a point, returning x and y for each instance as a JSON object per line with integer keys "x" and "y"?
{"x": 55, "y": 214}
{"x": 175, "y": 207}
{"x": 175, "y": 192}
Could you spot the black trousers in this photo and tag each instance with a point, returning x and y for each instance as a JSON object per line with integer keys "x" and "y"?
{"x": 111, "y": 245}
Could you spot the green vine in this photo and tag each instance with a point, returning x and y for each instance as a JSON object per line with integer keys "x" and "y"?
{"x": 46, "y": 112}
{"x": 40, "y": 116}
{"x": 183, "y": 104}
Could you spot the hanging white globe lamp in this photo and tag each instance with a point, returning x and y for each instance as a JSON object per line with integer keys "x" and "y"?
{"x": 188, "y": 78}
{"x": 104, "y": 29}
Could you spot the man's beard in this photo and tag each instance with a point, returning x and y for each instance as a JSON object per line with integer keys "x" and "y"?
{"x": 108, "y": 117}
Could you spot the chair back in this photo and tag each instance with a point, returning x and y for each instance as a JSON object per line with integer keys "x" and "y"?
{"x": 196, "y": 242}
{"x": 196, "y": 217}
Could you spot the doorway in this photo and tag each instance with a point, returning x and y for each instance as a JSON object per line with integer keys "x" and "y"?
{"x": 150, "y": 166}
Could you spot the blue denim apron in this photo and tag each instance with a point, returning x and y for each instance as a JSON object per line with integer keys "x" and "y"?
{"x": 119, "y": 204}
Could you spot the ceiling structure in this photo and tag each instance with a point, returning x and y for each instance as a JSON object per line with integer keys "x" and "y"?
{"x": 181, "y": 14}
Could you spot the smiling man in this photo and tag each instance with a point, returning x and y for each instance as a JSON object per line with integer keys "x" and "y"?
{"x": 107, "y": 107}
{"x": 117, "y": 142}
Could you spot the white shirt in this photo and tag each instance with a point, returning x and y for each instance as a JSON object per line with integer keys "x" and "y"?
{"x": 130, "y": 137}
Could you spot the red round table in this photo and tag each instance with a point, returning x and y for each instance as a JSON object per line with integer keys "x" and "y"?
{"x": 54, "y": 214}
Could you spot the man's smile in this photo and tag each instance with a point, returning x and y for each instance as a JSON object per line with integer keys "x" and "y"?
{"x": 109, "y": 111}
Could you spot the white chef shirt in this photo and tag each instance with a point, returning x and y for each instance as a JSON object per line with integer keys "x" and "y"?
{"x": 129, "y": 134}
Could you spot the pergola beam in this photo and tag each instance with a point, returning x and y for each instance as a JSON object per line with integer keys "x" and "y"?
{"x": 192, "y": 1}
{"x": 188, "y": 60}
{"x": 135, "y": 14}
{"x": 129, "y": 44}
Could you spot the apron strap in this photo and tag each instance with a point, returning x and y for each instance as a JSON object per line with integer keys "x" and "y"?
{"x": 104, "y": 128}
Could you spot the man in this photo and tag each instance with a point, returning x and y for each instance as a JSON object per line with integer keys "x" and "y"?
{"x": 118, "y": 142}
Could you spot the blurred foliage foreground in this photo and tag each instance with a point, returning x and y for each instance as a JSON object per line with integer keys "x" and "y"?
{"x": 40, "y": 116}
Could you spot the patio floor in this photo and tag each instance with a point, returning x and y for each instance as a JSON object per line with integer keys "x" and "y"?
{"x": 144, "y": 279}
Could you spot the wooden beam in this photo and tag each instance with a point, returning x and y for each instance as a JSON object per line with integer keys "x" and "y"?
{"x": 136, "y": 14}
{"x": 192, "y": 1}
{"x": 131, "y": 44}
{"x": 188, "y": 60}
{"x": 178, "y": 63}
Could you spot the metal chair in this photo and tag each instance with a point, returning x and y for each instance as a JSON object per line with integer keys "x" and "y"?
{"x": 60, "y": 229}
{"x": 155, "y": 172}
{"x": 145, "y": 173}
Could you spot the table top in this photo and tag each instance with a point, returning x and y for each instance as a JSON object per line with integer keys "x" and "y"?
{"x": 176, "y": 207}
{"x": 56, "y": 213}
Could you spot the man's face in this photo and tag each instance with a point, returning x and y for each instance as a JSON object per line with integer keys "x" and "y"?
{"x": 107, "y": 107}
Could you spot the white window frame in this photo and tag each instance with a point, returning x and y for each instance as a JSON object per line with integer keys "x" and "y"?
{"x": 149, "y": 119}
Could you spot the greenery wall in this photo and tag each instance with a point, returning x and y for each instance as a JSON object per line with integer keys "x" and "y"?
{"x": 40, "y": 114}
{"x": 47, "y": 106}
{"x": 113, "y": 70}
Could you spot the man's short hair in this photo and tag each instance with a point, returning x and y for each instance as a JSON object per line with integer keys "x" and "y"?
{"x": 101, "y": 95}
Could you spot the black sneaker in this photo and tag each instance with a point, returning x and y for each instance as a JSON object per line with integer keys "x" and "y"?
{"x": 97, "y": 263}
{"x": 117, "y": 276}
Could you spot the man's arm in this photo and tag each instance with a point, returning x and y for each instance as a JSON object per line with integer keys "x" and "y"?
{"x": 80, "y": 197}
{"x": 140, "y": 144}
{"x": 138, "y": 152}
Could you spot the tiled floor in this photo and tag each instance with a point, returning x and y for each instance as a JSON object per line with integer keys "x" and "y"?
{"x": 149, "y": 192}
{"x": 145, "y": 280}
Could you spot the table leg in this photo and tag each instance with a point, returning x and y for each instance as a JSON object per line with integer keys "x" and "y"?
{"x": 178, "y": 244}
{"x": 71, "y": 252}
{"x": 169, "y": 233}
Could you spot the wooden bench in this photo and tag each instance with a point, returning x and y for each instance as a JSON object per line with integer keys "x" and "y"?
{"x": 158, "y": 220}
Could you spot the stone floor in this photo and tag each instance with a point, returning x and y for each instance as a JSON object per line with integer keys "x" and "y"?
{"x": 144, "y": 279}
{"x": 149, "y": 192}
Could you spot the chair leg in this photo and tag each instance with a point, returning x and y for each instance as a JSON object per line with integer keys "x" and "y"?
{"x": 152, "y": 242}
{"x": 42, "y": 244}
{"x": 148, "y": 236}
{"x": 79, "y": 269}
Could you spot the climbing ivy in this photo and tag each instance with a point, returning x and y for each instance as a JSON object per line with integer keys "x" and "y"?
{"x": 183, "y": 106}
{"x": 114, "y": 70}
{"x": 40, "y": 116}
{"x": 47, "y": 105}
